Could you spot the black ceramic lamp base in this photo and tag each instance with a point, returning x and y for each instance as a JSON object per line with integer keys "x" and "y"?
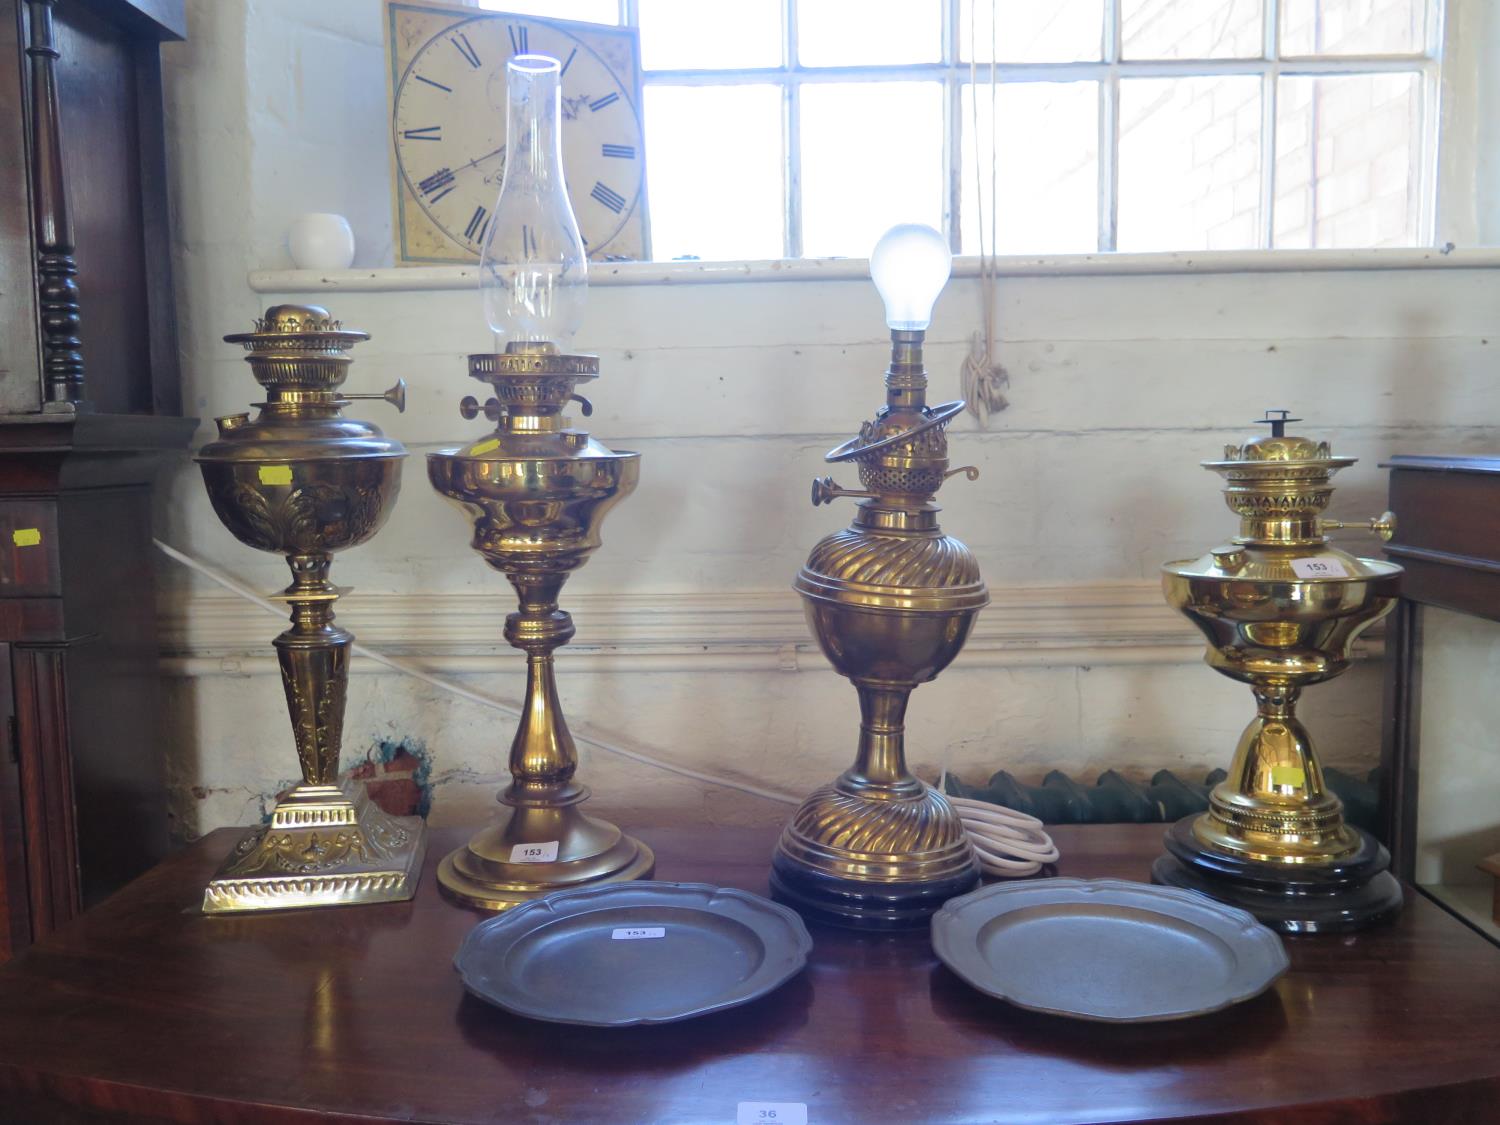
{"x": 862, "y": 906}
{"x": 1327, "y": 898}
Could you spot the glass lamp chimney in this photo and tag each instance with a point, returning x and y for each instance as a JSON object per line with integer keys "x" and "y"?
{"x": 533, "y": 268}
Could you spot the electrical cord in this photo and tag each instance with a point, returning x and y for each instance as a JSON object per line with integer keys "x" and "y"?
{"x": 580, "y": 734}
{"x": 1008, "y": 843}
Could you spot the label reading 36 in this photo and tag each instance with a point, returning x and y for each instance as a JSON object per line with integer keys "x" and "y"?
{"x": 1319, "y": 568}
{"x": 534, "y": 853}
{"x": 771, "y": 1113}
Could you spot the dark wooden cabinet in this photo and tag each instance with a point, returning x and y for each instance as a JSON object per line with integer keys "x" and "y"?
{"x": 89, "y": 414}
{"x": 1441, "y": 753}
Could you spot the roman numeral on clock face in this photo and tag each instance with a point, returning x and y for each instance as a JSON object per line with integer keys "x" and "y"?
{"x": 475, "y": 230}
{"x": 430, "y": 82}
{"x": 567, "y": 62}
{"x": 609, "y": 197}
{"x": 466, "y": 49}
{"x": 528, "y": 242}
{"x": 518, "y": 41}
{"x": 608, "y": 99}
{"x": 624, "y": 152}
{"x": 425, "y": 133}
{"x": 437, "y": 185}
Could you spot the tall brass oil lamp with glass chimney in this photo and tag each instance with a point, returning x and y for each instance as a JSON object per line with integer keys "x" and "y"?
{"x": 1281, "y": 609}
{"x": 891, "y": 600}
{"x": 537, "y": 490}
{"x": 304, "y": 481}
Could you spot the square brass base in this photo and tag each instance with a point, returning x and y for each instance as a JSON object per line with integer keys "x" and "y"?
{"x": 326, "y": 845}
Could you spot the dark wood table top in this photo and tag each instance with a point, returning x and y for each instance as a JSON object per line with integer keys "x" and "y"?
{"x": 144, "y": 1007}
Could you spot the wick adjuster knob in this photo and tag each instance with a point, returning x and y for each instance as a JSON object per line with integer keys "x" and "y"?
{"x": 1383, "y": 525}
{"x": 396, "y": 396}
{"x": 971, "y": 472}
{"x": 469, "y": 408}
{"x": 824, "y": 491}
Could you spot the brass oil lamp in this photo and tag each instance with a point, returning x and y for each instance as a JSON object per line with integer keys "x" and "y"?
{"x": 537, "y": 490}
{"x": 891, "y": 600}
{"x": 1281, "y": 608}
{"x": 304, "y": 481}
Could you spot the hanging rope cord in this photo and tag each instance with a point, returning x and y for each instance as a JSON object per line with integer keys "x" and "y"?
{"x": 981, "y": 377}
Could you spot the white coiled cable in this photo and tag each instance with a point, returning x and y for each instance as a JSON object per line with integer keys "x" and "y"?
{"x": 1009, "y": 844}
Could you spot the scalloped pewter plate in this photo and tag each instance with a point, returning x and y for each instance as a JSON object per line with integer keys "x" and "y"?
{"x": 1106, "y": 949}
{"x": 559, "y": 959}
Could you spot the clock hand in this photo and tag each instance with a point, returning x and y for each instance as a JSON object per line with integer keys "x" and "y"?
{"x": 478, "y": 159}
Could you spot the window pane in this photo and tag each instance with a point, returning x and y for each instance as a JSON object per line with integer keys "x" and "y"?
{"x": 1352, "y": 27}
{"x": 1028, "y": 31}
{"x": 1191, "y": 29}
{"x": 868, "y": 32}
{"x": 713, "y": 162}
{"x": 872, "y": 157}
{"x": 1189, "y": 163}
{"x": 590, "y": 11}
{"x": 1346, "y": 151}
{"x": 1047, "y": 178}
{"x": 692, "y": 35}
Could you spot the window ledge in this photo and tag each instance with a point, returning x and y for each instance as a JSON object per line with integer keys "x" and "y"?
{"x": 414, "y": 278}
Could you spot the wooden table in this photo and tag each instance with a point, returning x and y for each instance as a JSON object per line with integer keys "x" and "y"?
{"x": 143, "y": 1006}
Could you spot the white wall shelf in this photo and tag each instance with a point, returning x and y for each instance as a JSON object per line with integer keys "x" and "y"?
{"x": 419, "y": 278}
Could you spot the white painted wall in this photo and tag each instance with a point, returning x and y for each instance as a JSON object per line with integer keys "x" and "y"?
{"x": 690, "y": 644}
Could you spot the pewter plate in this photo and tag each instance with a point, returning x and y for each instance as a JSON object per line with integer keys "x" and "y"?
{"x": 1106, "y": 949}
{"x": 633, "y": 953}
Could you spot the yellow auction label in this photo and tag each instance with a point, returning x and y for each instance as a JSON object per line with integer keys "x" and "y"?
{"x": 486, "y": 446}
{"x": 275, "y": 474}
{"x": 1288, "y": 775}
{"x": 26, "y": 536}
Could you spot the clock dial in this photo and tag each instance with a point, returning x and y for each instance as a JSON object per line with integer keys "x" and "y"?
{"x": 449, "y": 129}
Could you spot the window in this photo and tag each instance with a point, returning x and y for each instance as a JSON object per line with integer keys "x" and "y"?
{"x": 803, "y": 128}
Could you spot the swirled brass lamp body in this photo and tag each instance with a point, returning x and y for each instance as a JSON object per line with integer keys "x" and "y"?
{"x": 891, "y": 600}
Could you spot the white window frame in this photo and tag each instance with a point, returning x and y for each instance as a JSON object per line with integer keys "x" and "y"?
{"x": 1108, "y": 72}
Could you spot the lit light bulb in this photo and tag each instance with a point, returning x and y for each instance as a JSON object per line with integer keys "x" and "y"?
{"x": 910, "y": 265}
{"x": 533, "y": 270}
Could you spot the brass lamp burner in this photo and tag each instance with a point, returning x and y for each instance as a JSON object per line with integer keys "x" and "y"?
{"x": 891, "y": 600}
{"x": 537, "y": 491}
{"x": 1281, "y": 608}
{"x": 304, "y": 481}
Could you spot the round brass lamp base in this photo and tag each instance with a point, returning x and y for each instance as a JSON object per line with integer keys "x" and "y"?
{"x": 482, "y": 873}
{"x": 1294, "y": 898}
{"x": 873, "y": 857}
{"x": 861, "y": 905}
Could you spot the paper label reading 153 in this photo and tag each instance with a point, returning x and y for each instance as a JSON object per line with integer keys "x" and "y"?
{"x": 636, "y": 933}
{"x": 1319, "y": 568}
{"x": 771, "y": 1113}
{"x": 534, "y": 853}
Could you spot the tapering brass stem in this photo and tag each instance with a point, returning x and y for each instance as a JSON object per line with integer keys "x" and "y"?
{"x": 543, "y": 757}
{"x": 881, "y": 759}
{"x": 314, "y": 659}
{"x": 1272, "y": 805}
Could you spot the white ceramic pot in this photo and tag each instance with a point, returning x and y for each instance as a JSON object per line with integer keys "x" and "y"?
{"x": 321, "y": 241}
